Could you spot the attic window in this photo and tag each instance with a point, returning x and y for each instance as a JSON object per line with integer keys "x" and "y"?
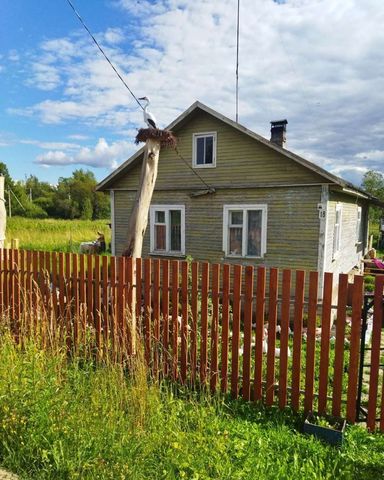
{"x": 204, "y": 150}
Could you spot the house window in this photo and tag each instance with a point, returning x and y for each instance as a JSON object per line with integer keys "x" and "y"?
{"x": 245, "y": 230}
{"x": 204, "y": 150}
{"x": 359, "y": 233}
{"x": 167, "y": 229}
{"x": 337, "y": 230}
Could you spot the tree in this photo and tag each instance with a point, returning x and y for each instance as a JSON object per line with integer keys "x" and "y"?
{"x": 373, "y": 183}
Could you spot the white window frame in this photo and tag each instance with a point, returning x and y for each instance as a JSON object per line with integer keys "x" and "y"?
{"x": 359, "y": 233}
{"x": 245, "y": 208}
{"x": 195, "y": 136}
{"x": 337, "y": 231}
{"x": 166, "y": 209}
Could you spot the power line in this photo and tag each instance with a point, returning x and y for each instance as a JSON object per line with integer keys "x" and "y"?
{"x": 237, "y": 60}
{"x": 104, "y": 54}
{"x": 211, "y": 189}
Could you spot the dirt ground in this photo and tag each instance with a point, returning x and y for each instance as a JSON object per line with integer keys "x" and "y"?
{"x": 4, "y": 475}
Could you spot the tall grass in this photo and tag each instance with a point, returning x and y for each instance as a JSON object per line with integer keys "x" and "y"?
{"x": 53, "y": 234}
{"x": 65, "y": 417}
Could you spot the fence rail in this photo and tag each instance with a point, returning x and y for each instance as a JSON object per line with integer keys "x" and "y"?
{"x": 262, "y": 335}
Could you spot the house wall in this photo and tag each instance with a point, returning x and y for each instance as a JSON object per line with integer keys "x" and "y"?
{"x": 351, "y": 250}
{"x": 292, "y": 223}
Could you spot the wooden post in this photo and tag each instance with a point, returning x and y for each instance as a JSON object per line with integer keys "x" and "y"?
{"x": 154, "y": 139}
{"x": 139, "y": 216}
{"x": 3, "y": 213}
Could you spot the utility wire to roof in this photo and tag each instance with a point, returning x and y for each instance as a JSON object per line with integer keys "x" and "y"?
{"x": 102, "y": 51}
{"x": 211, "y": 189}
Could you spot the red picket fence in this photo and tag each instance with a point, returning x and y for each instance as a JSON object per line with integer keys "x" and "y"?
{"x": 240, "y": 330}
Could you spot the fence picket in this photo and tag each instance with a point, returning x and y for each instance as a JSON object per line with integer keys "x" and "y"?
{"x": 165, "y": 314}
{"x": 175, "y": 319}
{"x": 82, "y": 297}
{"x": 156, "y": 315}
{"x": 357, "y": 303}
{"x": 339, "y": 344}
{"x": 375, "y": 352}
{"x": 120, "y": 302}
{"x": 28, "y": 315}
{"x": 113, "y": 307}
{"x": 147, "y": 310}
{"x": 285, "y": 307}
{"x": 297, "y": 338}
{"x": 139, "y": 299}
{"x": 75, "y": 294}
{"x": 272, "y": 320}
{"x": 90, "y": 318}
{"x": 225, "y": 328}
{"x": 128, "y": 306}
{"x": 215, "y": 326}
{"x": 104, "y": 303}
{"x": 4, "y": 282}
{"x": 54, "y": 290}
{"x": 260, "y": 312}
{"x": 97, "y": 305}
{"x": 247, "y": 349}
{"x": 204, "y": 322}
{"x": 194, "y": 308}
{"x": 324, "y": 346}
{"x": 16, "y": 270}
{"x": 184, "y": 322}
{"x": 311, "y": 341}
{"x": 237, "y": 275}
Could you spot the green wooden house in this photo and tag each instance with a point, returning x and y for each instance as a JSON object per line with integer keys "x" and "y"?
{"x": 231, "y": 196}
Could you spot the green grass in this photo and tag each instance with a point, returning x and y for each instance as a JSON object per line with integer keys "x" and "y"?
{"x": 55, "y": 235}
{"x": 63, "y": 419}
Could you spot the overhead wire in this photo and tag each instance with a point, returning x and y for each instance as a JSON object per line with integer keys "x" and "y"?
{"x": 104, "y": 54}
{"x": 211, "y": 189}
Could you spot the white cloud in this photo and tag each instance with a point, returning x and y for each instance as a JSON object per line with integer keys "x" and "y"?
{"x": 318, "y": 63}
{"x": 114, "y": 35}
{"x": 101, "y": 155}
{"x": 13, "y": 56}
{"x": 51, "y": 145}
{"x": 77, "y": 136}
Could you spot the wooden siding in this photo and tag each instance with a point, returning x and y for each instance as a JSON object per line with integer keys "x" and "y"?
{"x": 292, "y": 224}
{"x": 350, "y": 250}
{"x": 240, "y": 160}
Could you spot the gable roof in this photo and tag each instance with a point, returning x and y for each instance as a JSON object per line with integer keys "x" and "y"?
{"x": 183, "y": 118}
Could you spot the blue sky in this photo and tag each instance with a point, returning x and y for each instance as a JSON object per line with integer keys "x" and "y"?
{"x": 318, "y": 63}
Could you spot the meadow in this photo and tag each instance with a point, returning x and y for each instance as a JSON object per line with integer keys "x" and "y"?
{"x": 67, "y": 419}
{"x": 55, "y": 235}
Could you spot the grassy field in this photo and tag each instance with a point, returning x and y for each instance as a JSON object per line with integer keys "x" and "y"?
{"x": 55, "y": 235}
{"x": 68, "y": 420}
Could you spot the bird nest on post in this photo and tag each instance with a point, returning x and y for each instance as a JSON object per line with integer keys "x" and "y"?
{"x": 165, "y": 137}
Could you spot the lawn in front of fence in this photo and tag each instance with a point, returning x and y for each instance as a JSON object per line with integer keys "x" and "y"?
{"x": 76, "y": 419}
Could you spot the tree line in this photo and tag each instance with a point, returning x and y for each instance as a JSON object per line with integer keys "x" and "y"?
{"x": 74, "y": 197}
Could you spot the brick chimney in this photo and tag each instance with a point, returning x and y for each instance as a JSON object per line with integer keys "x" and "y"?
{"x": 278, "y": 132}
